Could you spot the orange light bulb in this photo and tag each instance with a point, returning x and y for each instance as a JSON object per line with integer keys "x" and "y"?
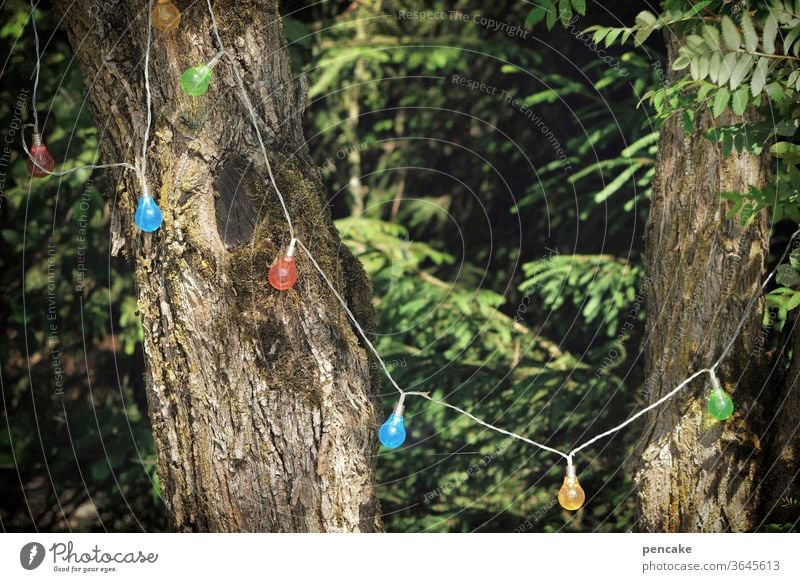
{"x": 283, "y": 274}
{"x": 166, "y": 16}
{"x": 571, "y": 495}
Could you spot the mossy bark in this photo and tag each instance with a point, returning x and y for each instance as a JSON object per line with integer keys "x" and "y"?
{"x": 695, "y": 473}
{"x": 262, "y": 402}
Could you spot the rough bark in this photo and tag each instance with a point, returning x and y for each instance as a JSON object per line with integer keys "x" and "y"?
{"x": 782, "y": 490}
{"x": 262, "y": 402}
{"x": 697, "y": 474}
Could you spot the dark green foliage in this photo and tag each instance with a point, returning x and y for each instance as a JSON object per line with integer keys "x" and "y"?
{"x": 75, "y": 449}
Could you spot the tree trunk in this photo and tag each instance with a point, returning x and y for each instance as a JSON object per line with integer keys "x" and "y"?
{"x": 262, "y": 402}
{"x": 782, "y": 491}
{"x": 697, "y": 474}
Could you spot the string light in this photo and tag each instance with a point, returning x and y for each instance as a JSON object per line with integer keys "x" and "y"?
{"x": 720, "y": 405}
{"x": 283, "y": 274}
{"x": 40, "y": 162}
{"x": 165, "y": 16}
{"x": 392, "y": 433}
{"x": 148, "y": 216}
{"x": 195, "y": 80}
{"x": 571, "y": 495}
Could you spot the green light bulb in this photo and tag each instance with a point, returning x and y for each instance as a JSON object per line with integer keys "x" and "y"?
{"x": 720, "y": 405}
{"x": 195, "y": 80}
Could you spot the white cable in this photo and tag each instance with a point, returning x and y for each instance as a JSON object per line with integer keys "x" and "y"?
{"x": 148, "y": 95}
{"x": 353, "y": 319}
{"x": 37, "y": 69}
{"x": 491, "y": 426}
{"x": 253, "y": 117}
{"x": 141, "y": 171}
{"x": 403, "y": 393}
{"x": 643, "y": 411}
{"x": 73, "y": 170}
{"x": 568, "y": 456}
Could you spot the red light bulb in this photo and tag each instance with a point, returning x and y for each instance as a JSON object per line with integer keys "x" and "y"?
{"x": 283, "y": 274}
{"x": 40, "y": 162}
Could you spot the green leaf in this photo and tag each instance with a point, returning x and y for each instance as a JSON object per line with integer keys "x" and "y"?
{"x": 646, "y": 18}
{"x": 711, "y": 36}
{"x": 564, "y": 12}
{"x": 740, "y": 71}
{"x": 759, "y": 78}
{"x": 776, "y": 92}
{"x": 626, "y": 35}
{"x": 696, "y": 44}
{"x": 786, "y": 127}
{"x": 535, "y": 16}
{"x": 788, "y": 41}
{"x": 551, "y": 17}
{"x": 793, "y": 302}
{"x": 703, "y": 65}
{"x": 579, "y": 6}
{"x": 787, "y": 276}
{"x": 646, "y": 22}
{"x": 750, "y": 34}
{"x": 704, "y": 90}
{"x": 642, "y": 35}
{"x": 680, "y": 63}
{"x": 600, "y": 34}
{"x": 730, "y": 34}
{"x": 740, "y": 100}
{"x": 612, "y": 36}
{"x": 794, "y": 259}
{"x": 639, "y": 144}
{"x": 726, "y": 68}
{"x": 788, "y": 152}
{"x": 714, "y": 66}
{"x": 694, "y": 68}
{"x": 696, "y": 8}
{"x": 616, "y": 183}
{"x": 770, "y": 33}
{"x": 720, "y": 101}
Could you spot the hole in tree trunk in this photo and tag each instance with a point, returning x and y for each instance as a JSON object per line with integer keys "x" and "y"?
{"x": 236, "y": 215}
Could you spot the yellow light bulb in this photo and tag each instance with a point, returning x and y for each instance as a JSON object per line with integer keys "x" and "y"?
{"x": 166, "y": 16}
{"x": 571, "y": 495}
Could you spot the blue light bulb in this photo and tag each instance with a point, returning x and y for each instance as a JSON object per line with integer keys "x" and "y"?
{"x": 148, "y": 215}
{"x": 392, "y": 433}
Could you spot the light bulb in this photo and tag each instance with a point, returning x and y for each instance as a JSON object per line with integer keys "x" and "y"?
{"x": 720, "y": 405}
{"x": 283, "y": 274}
{"x": 392, "y": 433}
{"x": 148, "y": 215}
{"x": 571, "y": 495}
{"x": 40, "y": 162}
{"x": 166, "y": 16}
{"x": 195, "y": 80}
